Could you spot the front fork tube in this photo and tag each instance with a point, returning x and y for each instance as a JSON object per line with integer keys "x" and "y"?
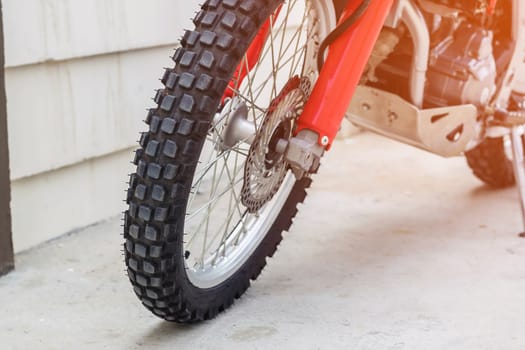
{"x": 341, "y": 72}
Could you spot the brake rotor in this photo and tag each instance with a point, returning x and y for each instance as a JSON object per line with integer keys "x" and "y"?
{"x": 265, "y": 167}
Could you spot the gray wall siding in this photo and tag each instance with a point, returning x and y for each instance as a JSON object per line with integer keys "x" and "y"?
{"x": 79, "y": 76}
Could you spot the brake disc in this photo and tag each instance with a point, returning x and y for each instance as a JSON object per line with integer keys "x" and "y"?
{"x": 266, "y": 168}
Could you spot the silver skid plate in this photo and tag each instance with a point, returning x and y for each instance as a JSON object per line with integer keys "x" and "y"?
{"x": 444, "y": 131}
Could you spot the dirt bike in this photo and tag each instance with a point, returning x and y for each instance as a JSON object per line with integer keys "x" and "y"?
{"x": 257, "y": 96}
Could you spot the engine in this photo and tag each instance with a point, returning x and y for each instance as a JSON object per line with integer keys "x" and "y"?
{"x": 462, "y": 65}
{"x": 462, "y": 68}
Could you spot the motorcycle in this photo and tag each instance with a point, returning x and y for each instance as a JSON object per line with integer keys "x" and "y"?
{"x": 257, "y": 95}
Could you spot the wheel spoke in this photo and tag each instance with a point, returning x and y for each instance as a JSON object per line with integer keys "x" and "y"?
{"x": 211, "y": 201}
{"x": 235, "y": 197}
{"x": 264, "y": 83}
{"x": 297, "y": 44}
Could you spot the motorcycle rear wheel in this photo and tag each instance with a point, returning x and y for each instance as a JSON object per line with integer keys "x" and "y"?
{"x": 491, "y": 162}
{"x": 192, "y": 244}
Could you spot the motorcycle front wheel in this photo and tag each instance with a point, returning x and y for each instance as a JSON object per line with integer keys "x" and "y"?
{"x": 211, "y": 194}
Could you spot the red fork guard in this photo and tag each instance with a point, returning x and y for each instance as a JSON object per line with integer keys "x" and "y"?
{"x": 341, "y": 72}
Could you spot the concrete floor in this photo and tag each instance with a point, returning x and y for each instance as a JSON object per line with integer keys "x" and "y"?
{"x": 394, "y": 249}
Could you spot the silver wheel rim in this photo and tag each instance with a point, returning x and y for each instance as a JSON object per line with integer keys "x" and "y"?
{"x": 220, "y": 234}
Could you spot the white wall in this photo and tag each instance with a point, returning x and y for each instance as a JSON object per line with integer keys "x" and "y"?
{"x": 79, "y": 77}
